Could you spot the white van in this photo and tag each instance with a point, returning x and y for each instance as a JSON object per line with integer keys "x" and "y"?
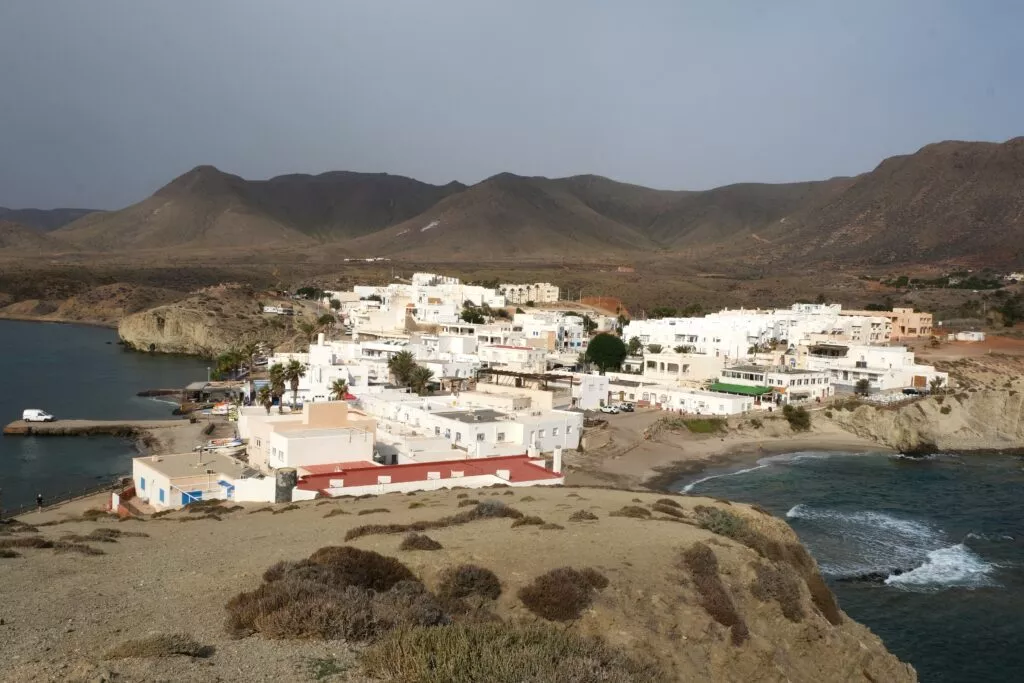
{"x": 36, "y": 415}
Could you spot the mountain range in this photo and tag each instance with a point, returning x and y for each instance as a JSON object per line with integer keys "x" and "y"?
{"x": 947, "y": 201}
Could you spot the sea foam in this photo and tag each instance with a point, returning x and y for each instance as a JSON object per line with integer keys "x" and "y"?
{"x": 950, "y": 567}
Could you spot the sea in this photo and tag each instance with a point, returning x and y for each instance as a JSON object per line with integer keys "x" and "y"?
{"x": 944, "y": 534}
{"x": 75, "y": 372}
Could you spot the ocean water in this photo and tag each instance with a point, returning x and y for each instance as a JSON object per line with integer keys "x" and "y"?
{"x": 75, "y": 372}
{"x": 946, "y": 531}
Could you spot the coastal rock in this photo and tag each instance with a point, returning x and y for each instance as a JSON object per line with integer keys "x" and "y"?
{"x": 205, "y": 323}
{"x": 981, "y": 420}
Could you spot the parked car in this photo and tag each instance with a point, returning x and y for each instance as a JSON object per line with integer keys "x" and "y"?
{"x": 610, "y": 409}
{"x": 36, "y": 415}
{"x": 626, "y": 407}
{"x": 910, "y": 391}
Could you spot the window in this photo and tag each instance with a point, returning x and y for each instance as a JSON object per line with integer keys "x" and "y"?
{"x": 501, "y": 436}
{"x": 568, "y": 430}
{"x": 437, "y": 431}
{"x": 458, "y": 437}
{"x": 554, "y": 431}
{"x": 142, "y": 483}
{"x": 257, "y": 443}
{"x": 161, "y": 495}
{"x": 541, "y": 433}
{"x": 480, "y": 436}
{"x": 447, "y": 433}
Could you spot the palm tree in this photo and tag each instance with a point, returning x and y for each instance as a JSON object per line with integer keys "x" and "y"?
{"x": 277, "y": 384}
{"x": 250, "y": 351}
{"x": 308, "y": 329}
{"x": 229, "y": 362}
{"x": 400, "y": 366}
{"x": 419, "y": 378}
{"x": 266, "y": 398}
{"x": 339, "y": 388}
{"x": 293, "y": 372}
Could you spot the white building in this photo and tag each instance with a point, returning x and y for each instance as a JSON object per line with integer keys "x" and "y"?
{"x": 681, "y": 368}
{"x": 885, "y": 367}
{"x": 789, "y": 385}
{"x": 513, "y": 358}
{"x": 319, "y": 446}
{"x": 589, "y": 391}
{"x": 539, "y": 293}
{"x": 554, "y": 331}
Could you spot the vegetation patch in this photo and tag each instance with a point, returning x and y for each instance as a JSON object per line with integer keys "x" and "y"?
{"x": 945, "y": 410}
{"x": 25, "y": 542}
{"x": 706, "y": 425}
{"x": 562, "y": 594}
{"x": 671, "y": 511}
{"x": 699, "y": 559}
{"x": 286, "y": 508}
{"x": 416, "y": 504}
{"x": 159, "y": 645}
{"x": 501, "y": 653}
{"x": 468, "y": 580}
{"x": 419, "y": 542}
{"x": 548, "y": 526}
{"x": 582, "y": 516}
{"x": 668, "y": 502}
{"x": 489, "y": 509}
{"x": 103, "y": 535}
{"x": 781, "y": 584}
{"x": 527, "y": 499}
{"x": 7, "y": 553}
{"x": 373, "y": 511}
{"x": 797, "y": 416}
{"x": 529, "y": 520}
{"x": 634, "y": 511}
{"x": 80, "y": 548}
{"x": 335, "y": 512}
{"x": 468, "y": 502}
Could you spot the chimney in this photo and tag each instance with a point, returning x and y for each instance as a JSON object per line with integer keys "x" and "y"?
{"x": 320, "y": 339}
{"x": 556, "y": 465}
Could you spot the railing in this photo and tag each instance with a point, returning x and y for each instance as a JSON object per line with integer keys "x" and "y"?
{"x": 62, "y": 498}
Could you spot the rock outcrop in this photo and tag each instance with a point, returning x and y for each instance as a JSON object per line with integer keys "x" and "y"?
{"x": 205, "y": 323}
{"x": 967, "y": 421}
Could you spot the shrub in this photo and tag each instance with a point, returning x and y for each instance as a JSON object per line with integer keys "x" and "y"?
{"x": 595, "y": 578}
{"x": 488, "y": 509}
{"x": 372, "y": 511}
{"x": 633, "y": 511}
{"x": 335, "y": 512}
{"x": 721, "y": 522}
{"x": 103, "y": 535}
{"x": 668, "y": 510}
{"x": 528, "y": 521}
{"x": 265, "y": 508}
{"x": 798, "y": 418}
{"x": 560, "y": 594}
{"x": 467, "y": 580}
{"x": 286, "y": 508}
{"x": 509, "y": 493}
{"x": 5, "y": 553}
{"x": 416, "y": 504}
{"x": 828, "y": 414}
{"x": 582, "y": 516}
{"x": 702, "y": 564}
{"x": 419, "y": 542}
{"x": 706, "y": 425}
{"x": 362, "y": 568}
{"x": 823, "y": 598}
{"x": 468, "y": 502}
{"x": 501, "y": 653}
{"x": 462, "y": 495}
{"x": 756, "y": 423}
{"x": 946, "y": 410}
{"x": 80, "y": 548}
{"x": 940, "y": 399}
{"x": 159, "y": 645}
{"x": 669, "y": 502}
{"x": 779, "y": 583}
{"x": 26, "y": 542}
{"x": 527, "y": 499}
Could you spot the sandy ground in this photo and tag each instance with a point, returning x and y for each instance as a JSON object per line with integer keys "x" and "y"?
{"x": 629, "y": 460}
{"x": 60, "y": 612}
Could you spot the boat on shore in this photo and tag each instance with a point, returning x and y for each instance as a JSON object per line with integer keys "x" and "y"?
{"x": 226, "y": 446}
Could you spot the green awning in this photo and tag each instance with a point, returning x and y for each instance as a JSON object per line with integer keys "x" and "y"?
{"x": 739, "y": 389}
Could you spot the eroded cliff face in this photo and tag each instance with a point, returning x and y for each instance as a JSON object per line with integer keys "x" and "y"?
{"x": 208, "y": 322}
{"x": 982, "y": 420}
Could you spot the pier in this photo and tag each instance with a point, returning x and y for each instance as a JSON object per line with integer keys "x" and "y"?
{"x": 124, "y": 428}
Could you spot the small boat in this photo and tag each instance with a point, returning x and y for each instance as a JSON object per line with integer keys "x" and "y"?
{"x": 227, "y": 446}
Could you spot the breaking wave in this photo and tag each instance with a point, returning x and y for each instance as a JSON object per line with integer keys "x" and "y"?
{"x": 689, "y": 487}
{"x": 951, "y": 567}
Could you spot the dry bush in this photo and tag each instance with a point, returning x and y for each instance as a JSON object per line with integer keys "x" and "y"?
{"x": 265, "y": 508}
{"x": 595, "y": 578}
{"x": 668, "y": 510}
{"x": 781, "y": 584}
{"x": 509, "y": 493}
{"x": 823, "y": 599}
{"x": 363, "y": 568}
{"x": 159, "y": 645}
{"x": 501, "y": 653}
{"x": 335, "y": 512}
{"x": 211, "y": 506}
{"x": 415, "y": 504}
{"x": 561, "y": 594}
{"x": 637, "y": 500}
{"x": 551, "y": 527}
{"x": 80, "y": 548}
{"x": 530, "y": 520}
{"x": 15, "y": 526}
{"x": 372, "y": 511}
{"x": 582, "y": 516}
{"x": 419, "y": 542}
{"x": 26, "y": 542}
{"x": 468, "y": 502}
{"x": 634, "y": 511}
{"x": 527, "y": 499}
{"x": 326, "y": 501}
{"x": 103, "y": 535}
{"x": 702, "y": 564}
{"x": 468, "y": 580}
{"x": 5, "y": 553}
{"x": 721, "y": 522}
{"x": 668, "y": 502}
{"x": 488, "y": 509}
{"x": 198, "y": 518}
{"x": 163, "y": 513}
{"x": 572, "y": 495}
{"x": 758, "y": 508}
{"x": 463, "y": 495}
{"x": 286, "y": 508}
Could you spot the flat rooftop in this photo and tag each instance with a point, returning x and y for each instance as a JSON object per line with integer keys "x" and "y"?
{"x": 472, "y": 416}
{"x": 520, "y": 468}
{"x": 319, "y": 432}
{"x": 177, "y": 465}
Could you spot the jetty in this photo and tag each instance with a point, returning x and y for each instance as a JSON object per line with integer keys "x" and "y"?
{"x": 124, "y": 428}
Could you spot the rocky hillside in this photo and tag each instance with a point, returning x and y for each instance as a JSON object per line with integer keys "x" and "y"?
{"x": 505, "y": 585}
{"x": 17, "y": 237}
{"x": 43, "y": 220}
{"x": 987, "y": 419}
{"x": 206, "y": 322}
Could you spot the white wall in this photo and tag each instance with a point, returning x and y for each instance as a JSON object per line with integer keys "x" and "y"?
{"x": 292, "y": 449}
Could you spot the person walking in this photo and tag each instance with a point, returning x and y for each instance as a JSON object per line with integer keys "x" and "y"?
{"x": 39, "y": 502}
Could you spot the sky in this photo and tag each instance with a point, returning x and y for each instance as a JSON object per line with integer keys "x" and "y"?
{"x": 103, "y": 102}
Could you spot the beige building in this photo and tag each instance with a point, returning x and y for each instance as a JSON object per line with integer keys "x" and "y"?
{"x": 538, "y": 293}
{"x": 906, "y": 323}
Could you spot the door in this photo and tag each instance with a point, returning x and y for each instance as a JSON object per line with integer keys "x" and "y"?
{"x": 920, "y": 381}
{"x": 190, "y": 497}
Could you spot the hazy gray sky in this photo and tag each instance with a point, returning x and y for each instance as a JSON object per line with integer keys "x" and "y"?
{"x": 103, "y": 101}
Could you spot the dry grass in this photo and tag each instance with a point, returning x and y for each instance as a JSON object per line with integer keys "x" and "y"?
{"x": 699, "y": 559}
{"x": 781, "y": 584}
{"x": 335, "y": 512}
{"x": 823, "y": 599}
{"x": 373, "y": 511}
{"x": 551, "y": 527}
{"x": 562, "y": 594}
{"x": 527, "y": 499}
{"x": 668, "y": 502}
{"x": 80, "y": 548}
{"x": 25, "y": 542}
{"x": 419, "y": 542}
{"x": 103, "y": 535}
{"x": 634, "y": 511}
{"x": 530, "y": 520}
{"x": 468, "y": 580}
{"x": 491, "y": 509}
{"x": 501, "y": 653}
{"x": 159, "y": 645}
{"x": 265, "y": 508}
{"x": 467, "y": 502}
{"x": 582, "y": 516}
{"x": 670, "y": 510}
{"x": 7, "y": 554}
{"x": 415, "y": 504}
{"x": 286, "y": 508}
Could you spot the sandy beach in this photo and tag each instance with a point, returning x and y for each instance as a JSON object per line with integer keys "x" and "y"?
{"x": 622, "y": 456}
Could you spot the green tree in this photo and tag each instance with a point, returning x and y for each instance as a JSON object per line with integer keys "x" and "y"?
{"x": 654, "y": 348}
{"x": 339, "y": 388}
{"x": 419, "y": 379}
{"x": 662, "y": 312}
{"x": 400, "y": 366}
{"x": 277, "y": 384}
{"x": 335, "y": 305}
{"x": 326, "y": 321}
{"x": 798, "y": 417}
{"x": 635, "y": 347}
{"x": 229, "y": 362}
{"x": 472, "y": 315}
{"x": 308, "y": 329}
{"x": 936, "y": 383}
{"x": 683, "y": 348}
{"x": 862, "y": 387}
{"x": 606, "y": 351}
{"x": 589, "y": 324}
{"x": 293, "y": 373}
{"x": 250, "y": 352}
{"x": 265, "y": 398}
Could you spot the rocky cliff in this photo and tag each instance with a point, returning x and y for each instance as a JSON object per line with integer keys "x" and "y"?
{"x": 205, "y": 323}
{"x": 979, "y": 420}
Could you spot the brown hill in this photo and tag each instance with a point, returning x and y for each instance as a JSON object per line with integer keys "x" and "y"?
{"x": 207, "y": 208}
{"x": 17, "y": 237}
{"x": 43, "y": 220}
